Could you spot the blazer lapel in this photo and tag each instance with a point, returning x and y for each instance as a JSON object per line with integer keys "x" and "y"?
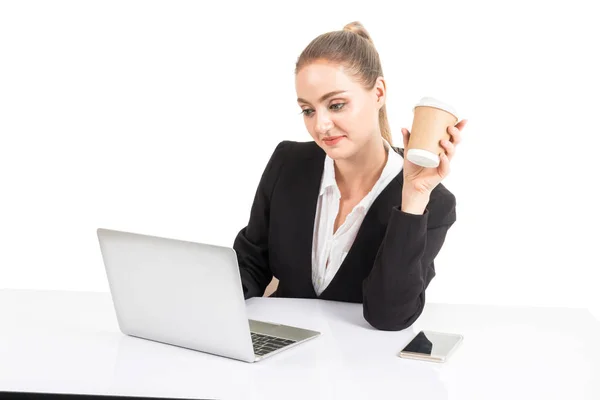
{"x": 304, "y": 198}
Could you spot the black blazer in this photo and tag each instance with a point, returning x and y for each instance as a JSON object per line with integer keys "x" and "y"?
{"x": 389, "y": 265}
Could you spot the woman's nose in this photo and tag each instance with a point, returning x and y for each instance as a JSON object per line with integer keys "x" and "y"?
{"x": 323, "y": 124}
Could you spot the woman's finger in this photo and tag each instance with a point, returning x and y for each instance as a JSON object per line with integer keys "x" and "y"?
{"x": 454, "y": 135}
{"x": 455, "y": 131}
{"x": 405, "y": 137}
{"x": 449, "y": 147}
{"x": 461, "y": 124}
{"x": 444, "y": 167}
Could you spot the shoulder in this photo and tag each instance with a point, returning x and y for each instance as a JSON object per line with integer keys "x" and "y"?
{"x": 298, "y": 150}
{"x": 290, "y": 156}
{"x": 292, "y": 153}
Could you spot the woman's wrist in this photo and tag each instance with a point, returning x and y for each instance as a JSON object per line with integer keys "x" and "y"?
{"x": 414, "y": 203}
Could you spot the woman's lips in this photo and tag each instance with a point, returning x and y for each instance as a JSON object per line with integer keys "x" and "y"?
{"x": 330, "y": 141}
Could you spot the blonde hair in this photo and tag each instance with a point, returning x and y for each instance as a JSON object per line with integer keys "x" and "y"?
{"x": 353, "y": 48}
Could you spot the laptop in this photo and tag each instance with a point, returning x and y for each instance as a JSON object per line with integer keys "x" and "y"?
{"x": 189, "y": 295}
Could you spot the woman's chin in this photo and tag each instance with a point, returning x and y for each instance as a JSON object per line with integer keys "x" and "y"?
{"x": 338, "y": 153}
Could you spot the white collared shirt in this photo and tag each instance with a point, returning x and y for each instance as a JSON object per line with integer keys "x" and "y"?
{"x": 329, "y": 250}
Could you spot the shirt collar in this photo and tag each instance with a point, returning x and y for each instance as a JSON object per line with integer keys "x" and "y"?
{"x": 328, "y": 179}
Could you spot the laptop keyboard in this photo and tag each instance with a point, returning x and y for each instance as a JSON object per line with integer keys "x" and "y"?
{"x": 265, "y": 344}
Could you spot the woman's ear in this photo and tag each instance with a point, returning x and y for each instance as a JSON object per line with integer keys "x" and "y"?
{"x": 380, "y": 91}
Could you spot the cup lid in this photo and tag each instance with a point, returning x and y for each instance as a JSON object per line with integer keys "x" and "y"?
{"x": 433, "y": 102}
{"x": 423, "y": 158}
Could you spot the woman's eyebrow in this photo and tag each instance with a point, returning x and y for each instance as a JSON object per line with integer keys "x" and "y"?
{"x": 324, "y": 97}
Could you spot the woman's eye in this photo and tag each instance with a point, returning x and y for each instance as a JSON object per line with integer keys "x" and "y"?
{"x": 336, "y": 107}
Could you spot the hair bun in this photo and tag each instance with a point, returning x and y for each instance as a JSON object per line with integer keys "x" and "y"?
{"x": 359, "y": 29}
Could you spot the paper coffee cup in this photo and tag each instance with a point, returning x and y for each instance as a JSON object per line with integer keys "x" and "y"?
{"x": 432, "y": 118}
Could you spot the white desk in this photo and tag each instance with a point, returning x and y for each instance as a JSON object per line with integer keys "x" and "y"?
{"x": 69, "y": 342}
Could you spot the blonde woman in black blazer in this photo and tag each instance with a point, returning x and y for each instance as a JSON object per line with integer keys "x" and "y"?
{"x": 341, "y": 93}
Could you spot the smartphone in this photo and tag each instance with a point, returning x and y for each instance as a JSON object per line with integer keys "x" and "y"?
{"x": 431, "y": 346}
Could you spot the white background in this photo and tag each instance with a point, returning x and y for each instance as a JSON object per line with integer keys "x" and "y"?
{"x": 159, "y": 117}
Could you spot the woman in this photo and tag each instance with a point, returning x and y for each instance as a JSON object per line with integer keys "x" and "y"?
{"x": 345, "y": 217}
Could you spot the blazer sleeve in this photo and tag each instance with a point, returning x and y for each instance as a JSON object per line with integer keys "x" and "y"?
{"x": 394, "y": 291}
{"x": 251, "y": 243}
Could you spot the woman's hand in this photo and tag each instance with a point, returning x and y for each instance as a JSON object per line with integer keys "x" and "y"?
{"x": 420, "y": 181}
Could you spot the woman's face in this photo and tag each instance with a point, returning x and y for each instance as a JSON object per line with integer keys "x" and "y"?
{"x": 339, "y": 113}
